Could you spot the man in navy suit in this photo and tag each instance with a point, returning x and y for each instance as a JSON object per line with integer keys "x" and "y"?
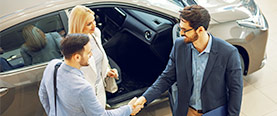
{"x": 207, "y": 70}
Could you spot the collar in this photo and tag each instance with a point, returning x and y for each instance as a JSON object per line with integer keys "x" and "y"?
{"x": 71, "y": 69}
{"x": 208, "y": 47}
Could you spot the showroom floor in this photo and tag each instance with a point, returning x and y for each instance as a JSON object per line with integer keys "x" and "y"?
{"x": 260, "y": 88}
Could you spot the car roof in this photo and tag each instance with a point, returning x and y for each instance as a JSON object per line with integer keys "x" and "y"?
{"x": 14, "y": 11}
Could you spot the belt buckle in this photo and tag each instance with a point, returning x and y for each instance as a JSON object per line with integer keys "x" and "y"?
{"x": 199, "y": 111}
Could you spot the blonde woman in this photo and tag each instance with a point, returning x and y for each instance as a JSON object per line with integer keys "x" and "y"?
{"x": 39, "y": 47}
{"x": 82, "y": 20}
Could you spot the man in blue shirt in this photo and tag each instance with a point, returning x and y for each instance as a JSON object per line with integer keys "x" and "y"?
{"x": 207, "y": 70}
{"x": 75, "y": 96}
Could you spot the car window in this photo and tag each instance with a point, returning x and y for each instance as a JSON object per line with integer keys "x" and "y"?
{"x": 31, "y": 42}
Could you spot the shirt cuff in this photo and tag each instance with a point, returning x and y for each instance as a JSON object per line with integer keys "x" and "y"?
{"x": 130, "y": 109}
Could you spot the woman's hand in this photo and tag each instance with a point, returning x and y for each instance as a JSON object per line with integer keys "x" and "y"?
{"x": 113, "y": 73}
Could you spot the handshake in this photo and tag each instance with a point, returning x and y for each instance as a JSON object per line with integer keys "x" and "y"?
{"x": 137, "y": 104}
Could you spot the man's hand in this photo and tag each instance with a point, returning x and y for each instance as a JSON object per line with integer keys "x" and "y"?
{"x": 135, "y": 108}
{"x": 113, "y": 73}
{"x": 140, "y": 101}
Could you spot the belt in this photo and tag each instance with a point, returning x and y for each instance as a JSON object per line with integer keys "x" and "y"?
{"x": 199, "y": 111}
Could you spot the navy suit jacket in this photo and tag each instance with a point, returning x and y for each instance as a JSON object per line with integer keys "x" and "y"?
{"x": 222, "y": 80}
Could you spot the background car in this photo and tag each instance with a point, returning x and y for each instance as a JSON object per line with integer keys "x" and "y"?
{"x": 136, "y": 34}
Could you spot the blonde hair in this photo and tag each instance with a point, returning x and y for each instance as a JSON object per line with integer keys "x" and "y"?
{"x": 34, "y": 38}
{"x": 78, "y": 18}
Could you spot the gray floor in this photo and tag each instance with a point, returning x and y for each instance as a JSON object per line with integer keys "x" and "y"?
{"x": 260, "y": 88}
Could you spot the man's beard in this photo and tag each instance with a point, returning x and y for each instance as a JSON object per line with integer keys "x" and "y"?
{"x": 84, "y": 62}
{"x": 190, "y": 40}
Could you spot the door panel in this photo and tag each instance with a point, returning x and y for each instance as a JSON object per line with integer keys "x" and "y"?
{"x": 7, "y": 93}
{"x": 21, "y": 97}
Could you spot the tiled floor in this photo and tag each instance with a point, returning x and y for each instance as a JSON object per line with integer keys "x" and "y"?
{"x": 260, "y": 88}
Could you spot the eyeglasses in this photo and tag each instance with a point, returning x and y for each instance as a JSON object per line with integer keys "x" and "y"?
{"x": 184, "y": 30}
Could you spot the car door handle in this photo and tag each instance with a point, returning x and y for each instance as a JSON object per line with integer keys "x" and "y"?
{"x": 3, "y": 90}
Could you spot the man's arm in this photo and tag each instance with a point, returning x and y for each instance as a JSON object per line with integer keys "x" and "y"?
{"x": 47, "y": 78}
{"x": 43, "y": 96}
{"x": 234, "y": 83}
{"x": 163, "y": 83}
{"x": 92, "y": 106}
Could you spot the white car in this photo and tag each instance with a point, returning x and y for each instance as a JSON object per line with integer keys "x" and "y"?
{"x": 136, "y": 34}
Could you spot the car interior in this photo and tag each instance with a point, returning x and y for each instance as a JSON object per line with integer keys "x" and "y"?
{"x": 139, "y": 42}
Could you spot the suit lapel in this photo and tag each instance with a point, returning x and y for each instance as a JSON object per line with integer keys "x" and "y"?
{"x": 188, "y": 63}
{"x": 211, "y": 61}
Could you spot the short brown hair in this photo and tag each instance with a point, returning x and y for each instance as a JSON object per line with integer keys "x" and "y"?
{"x": 73, "y": 43}
{"x": 196, "y": 16}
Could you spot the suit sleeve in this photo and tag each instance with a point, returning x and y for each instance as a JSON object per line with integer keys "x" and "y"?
{"x": 164, "y": 81}
{"x": 43, "y": 97}
{"x": 234, "y": 83}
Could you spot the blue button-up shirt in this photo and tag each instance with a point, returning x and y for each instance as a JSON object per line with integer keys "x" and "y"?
{"x": 75, "y": 96}
{"x": 199, "y": 62}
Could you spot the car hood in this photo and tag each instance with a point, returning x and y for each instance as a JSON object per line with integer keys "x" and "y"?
{"x": 220, "y": 8}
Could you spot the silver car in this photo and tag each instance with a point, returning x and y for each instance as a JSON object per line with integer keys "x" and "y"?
{"x": 136, "y": 34}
